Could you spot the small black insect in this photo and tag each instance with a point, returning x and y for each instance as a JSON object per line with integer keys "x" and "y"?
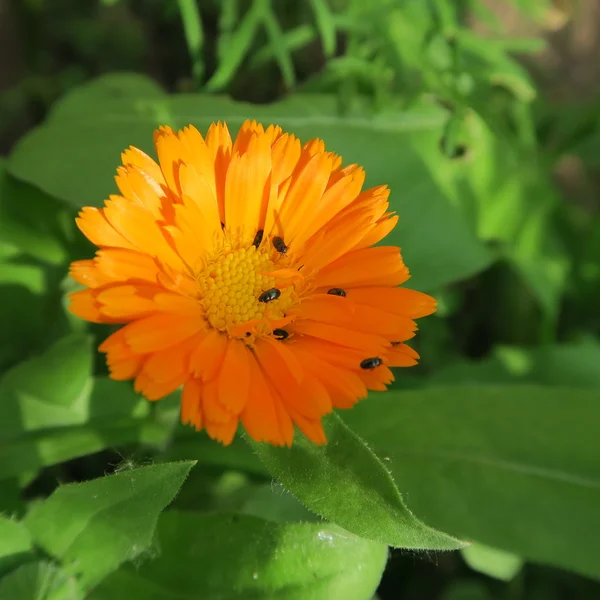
{"x": 222, "y": 225}
{"x": 269, "y": 295}
{"x": 281, "y": 334}
{"x": 258, "y": 238}
{"x": 371, "y": 363}
{"x": 280, "y": 245}
{"x": 336, "y": 292}
{"x": 395, "y": 343}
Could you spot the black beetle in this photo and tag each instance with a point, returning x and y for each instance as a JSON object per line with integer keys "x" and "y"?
{"x": 281, "y": 334}
{"x": 337, "y": 292}
{"x": 371, "y": 363}
{"x": 258, "y": 238}
{"x": 269, "y": 295}
{"x": 279, "y": 245}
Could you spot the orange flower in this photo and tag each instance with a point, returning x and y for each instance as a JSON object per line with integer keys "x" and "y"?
{"x": 244, "y": 272}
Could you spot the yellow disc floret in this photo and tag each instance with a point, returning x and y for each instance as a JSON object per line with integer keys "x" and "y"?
{"x": 231, "y": 286}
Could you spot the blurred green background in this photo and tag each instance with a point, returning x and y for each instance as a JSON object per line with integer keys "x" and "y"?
{"x": 484, "y": 119}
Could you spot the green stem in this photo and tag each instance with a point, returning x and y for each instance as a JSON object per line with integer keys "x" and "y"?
{"x": 194, "y": 36}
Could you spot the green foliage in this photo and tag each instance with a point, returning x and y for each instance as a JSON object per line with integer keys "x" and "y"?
{"x": 294, "y": 561}
{"x": 94, "y": 526}
{"x": 346, "y": 483}
{"x": 491, "y": 440}
{"x": 493, "y": 562}
{"x": 481, "y": 462}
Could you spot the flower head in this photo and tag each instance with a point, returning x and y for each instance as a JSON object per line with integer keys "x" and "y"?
{"x": 245, "y": 272}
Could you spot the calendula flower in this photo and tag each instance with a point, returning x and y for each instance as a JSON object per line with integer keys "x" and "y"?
{"x": 245, "y": 272}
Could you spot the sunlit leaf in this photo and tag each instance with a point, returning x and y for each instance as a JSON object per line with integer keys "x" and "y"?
{"x": 95, "y": 526}
{"x": 347, "y": 484}
{"x": 237, "y": 556}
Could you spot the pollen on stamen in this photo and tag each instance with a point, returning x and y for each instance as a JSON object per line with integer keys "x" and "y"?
{"x": 230, "y": 287}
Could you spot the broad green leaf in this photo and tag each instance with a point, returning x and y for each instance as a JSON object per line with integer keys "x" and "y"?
{"x": 275, "y": 503}
{"x": 237, "y": 556}
{"x": 15, "y": 544}
{"x": 572, "y": 365}
{"x": 47, "y": 391}
{"x": 31, "y": 220}
{"x": 513, "y": 467}
{"x": 189, "y": 444}
{"x": 56, "y": 389}
{"x": 438, "y": 244}
{"x": 347, "y": 484}
{"x": 39, "y": 581}
{"x": 10, "y": 496}
{"x": 115, "y": 89}
{"x": 48, "y": 447}
{"x": 95, "y": 526}
{"x": 466, "y": 590}
{"x": 23, "y": 319}
{"x": 491, "y": 561}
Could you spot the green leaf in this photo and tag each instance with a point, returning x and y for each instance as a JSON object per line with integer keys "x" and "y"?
{"x": 277, "y": 42}
{"x": 15, "y": 544}
{"x": 492, "y": 562}
{"x": 39, "y": 581}
{"x": 236, "y": 556}
{"x": 189, "y": 444}
{"x": 32, "y": 221}
{"x": 56, "y": 389}
{"x": 438, "y": 244}
{"x": 23, "y": 319}
{"x": 238, "y": 45}
{"x": 49, "y": 390}
{"x": 466, "y": 590}
{"x": 326, "y": 25}
{"x": 513, "y": 467}
{"x": 572, "y": 365}
{"x": 52, "y": 446}
{"x": 97, "y": 525}
{"x": 347, "y": 484}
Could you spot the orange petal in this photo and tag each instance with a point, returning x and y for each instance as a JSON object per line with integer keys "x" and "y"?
{"x": 139, "y": 187}
{"x": 401, "y": 355}
{"x": 246, "y": 188}
{"x": 134, "y": 156}
{"x": 140, "y": 228}
{"x": 121, "y": 265}
{"x": 195, "y": 154}
{"x": 156, "y": 390}
{"x": 260, "y": 417}
{"x": 94, "y": 225}
{"x": 84, "y": 305}
{"x": 191, "y": 404}
{"x": 125, "y": 302}
{"x": 396, "y": 300}
{"x": 313, "y": 430}
{"x": 377, "y": 379}
{"x": 161, "y": 331}
{"x": 372, "y": 345}
{"x": 214, "y": 410}
{"x": 86, "y": 272}
{"x": 300, "y": 205}
{"x": 222, "y": 432}
{"x": 207, "y": 358}
{"x": 234, "y": 378}
{"x": 381, "y": 265}
{"x": 168, "y": 148}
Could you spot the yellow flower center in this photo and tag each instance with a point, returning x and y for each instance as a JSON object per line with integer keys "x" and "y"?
{"x": 239, "y": 296}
